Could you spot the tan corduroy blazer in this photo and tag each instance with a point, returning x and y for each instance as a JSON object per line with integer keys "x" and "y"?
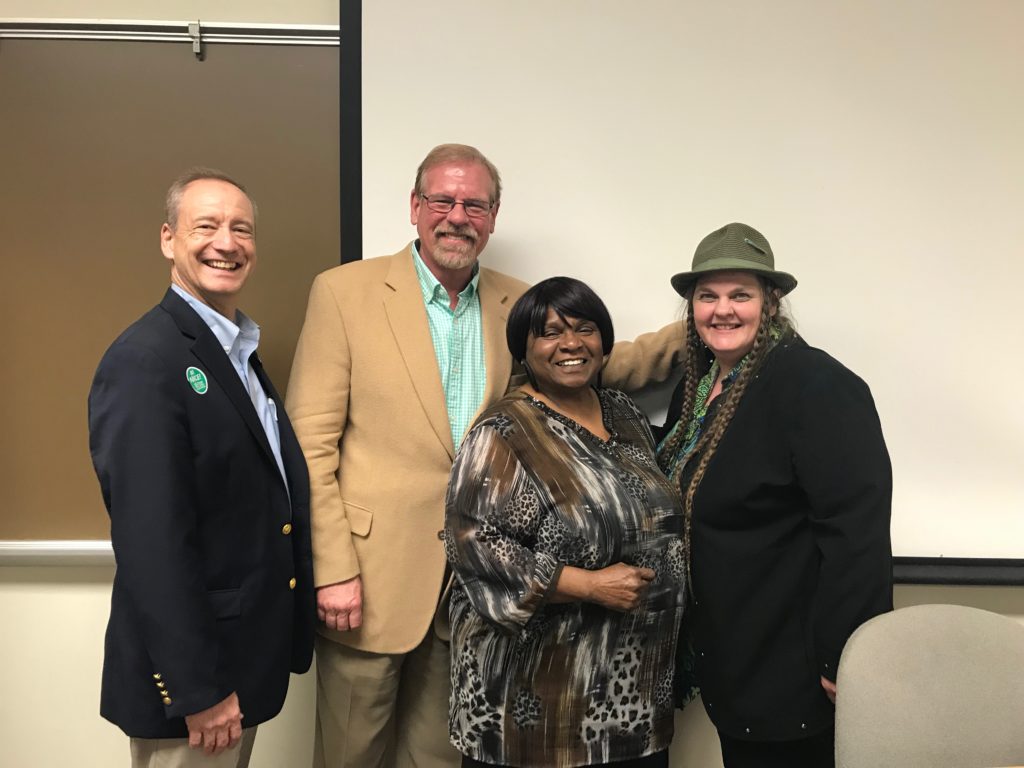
{"x": 366, "y": 401}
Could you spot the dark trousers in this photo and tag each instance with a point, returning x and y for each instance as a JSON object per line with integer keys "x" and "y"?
{"x": 657, "y": 760}
{"x": 816, "y": 751}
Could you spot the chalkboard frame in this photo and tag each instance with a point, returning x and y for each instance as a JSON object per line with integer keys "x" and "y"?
{"x": 959, "y": 571}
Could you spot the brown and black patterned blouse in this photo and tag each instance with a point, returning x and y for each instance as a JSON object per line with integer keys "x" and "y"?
{"x": 536, "y": 683}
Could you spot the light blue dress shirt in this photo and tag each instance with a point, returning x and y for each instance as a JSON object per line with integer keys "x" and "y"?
{"x": 239, "y": 343}
{"x": 458, "y": 338}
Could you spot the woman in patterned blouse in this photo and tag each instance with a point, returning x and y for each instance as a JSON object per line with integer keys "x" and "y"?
{"x": 567, "y": 542}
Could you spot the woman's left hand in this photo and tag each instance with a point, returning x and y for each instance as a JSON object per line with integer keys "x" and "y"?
{"x": 619, "y": 587}
{"x": 830, "y": 688}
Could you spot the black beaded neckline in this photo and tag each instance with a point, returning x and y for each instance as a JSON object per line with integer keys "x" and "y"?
{"x": 613, "y": 436}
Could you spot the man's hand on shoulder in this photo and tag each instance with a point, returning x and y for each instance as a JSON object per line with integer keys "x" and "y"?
{"x": 340, "y": 606}
{"x": 217, "y": 728}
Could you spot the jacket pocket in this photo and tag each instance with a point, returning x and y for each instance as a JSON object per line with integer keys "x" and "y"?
{"x": 226, "y": 603}
{"x": 359, "y": 519}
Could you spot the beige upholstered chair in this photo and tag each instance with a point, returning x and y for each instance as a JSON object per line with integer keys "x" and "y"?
{"x": 932, "y": 686}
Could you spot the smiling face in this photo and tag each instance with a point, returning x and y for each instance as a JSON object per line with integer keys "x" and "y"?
{"x": 566, "y": 356}
{"x": 212, "y": 248}
{"x": 727, "y": 313}
{"x": 452, "y": 242}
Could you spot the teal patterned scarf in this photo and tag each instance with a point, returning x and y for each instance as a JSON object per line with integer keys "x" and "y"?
{"x": 673, "y": 465}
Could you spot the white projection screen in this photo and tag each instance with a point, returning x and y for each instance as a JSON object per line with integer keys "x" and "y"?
{"x": 879, "y": 145}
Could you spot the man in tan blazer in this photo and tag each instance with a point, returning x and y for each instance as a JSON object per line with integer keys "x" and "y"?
{"x": 381, "y": 392}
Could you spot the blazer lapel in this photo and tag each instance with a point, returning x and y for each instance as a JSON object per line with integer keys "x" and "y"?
{"x": 209, "y": 351}
{"x": 407, "y": 317}
{"x": 495, "y": 304}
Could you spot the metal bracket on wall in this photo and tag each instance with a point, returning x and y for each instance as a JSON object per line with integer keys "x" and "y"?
{"x": 197, "y": 39}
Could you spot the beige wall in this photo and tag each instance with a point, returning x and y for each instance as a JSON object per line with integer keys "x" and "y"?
{"x": 52, "y": 647}
{"x": 52, "y": 644}
{"x": 254, "y": 11}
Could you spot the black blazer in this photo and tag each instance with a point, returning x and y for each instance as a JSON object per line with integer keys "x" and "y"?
{"x": 790, "y": 544}
{"x": 206, "y": 536}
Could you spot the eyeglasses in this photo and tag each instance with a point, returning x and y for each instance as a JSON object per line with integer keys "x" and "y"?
{"x": 475, "y": 209}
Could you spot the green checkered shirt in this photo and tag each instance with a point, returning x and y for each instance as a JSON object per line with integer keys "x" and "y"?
{"x": 458, "y": 345}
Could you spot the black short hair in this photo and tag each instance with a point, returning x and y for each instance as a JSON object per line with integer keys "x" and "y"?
{"x": 569, "y": 298}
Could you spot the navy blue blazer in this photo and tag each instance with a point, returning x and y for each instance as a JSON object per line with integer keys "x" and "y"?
{"x": 213, "y": 591}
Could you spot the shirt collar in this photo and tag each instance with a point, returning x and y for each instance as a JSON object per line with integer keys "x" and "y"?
{"x": 431, "y": 287}
{"x": 246, "y": 333}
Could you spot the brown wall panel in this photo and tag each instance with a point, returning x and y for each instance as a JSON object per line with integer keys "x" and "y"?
{"x": 92, "y": 133}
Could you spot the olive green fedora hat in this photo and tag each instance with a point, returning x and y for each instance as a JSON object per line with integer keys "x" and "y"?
{"x": 733, "y": 247}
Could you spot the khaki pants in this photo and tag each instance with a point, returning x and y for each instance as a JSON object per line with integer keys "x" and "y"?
{"x": 375, "y": 710}
{"x": 176, "y": 753}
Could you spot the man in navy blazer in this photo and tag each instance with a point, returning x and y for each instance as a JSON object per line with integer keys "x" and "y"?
{"x": 208, "y": 496}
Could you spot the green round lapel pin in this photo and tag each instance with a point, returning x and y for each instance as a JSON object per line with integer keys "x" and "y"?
{"x": 197, "y": 379}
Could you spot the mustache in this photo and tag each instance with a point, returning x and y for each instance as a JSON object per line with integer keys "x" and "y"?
{"x": 464, "y": 231}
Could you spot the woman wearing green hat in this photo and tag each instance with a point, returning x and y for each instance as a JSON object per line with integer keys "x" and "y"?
{"x": 786, "y": 482}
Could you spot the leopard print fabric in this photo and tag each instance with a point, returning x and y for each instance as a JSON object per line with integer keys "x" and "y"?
{"x": 560, "y": 684}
